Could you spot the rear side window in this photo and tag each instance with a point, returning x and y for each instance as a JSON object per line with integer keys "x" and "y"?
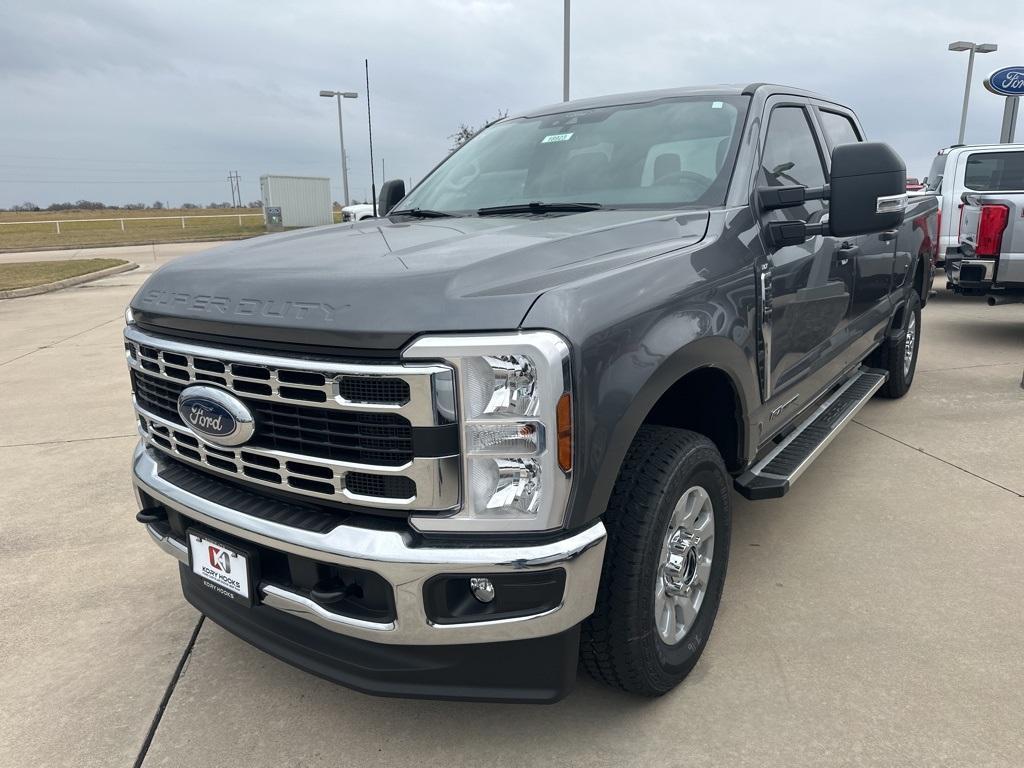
{"x": 838, "y": 128}
{"x": 790, "y": 151}
{"x": 995, "y": 171}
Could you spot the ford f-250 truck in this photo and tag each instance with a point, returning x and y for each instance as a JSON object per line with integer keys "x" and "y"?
{"x": 454, "y": 450}
{"x": 990, "y": 261}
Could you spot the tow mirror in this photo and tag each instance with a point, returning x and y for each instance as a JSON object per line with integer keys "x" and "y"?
{"x": 867, "y": 193}
{"x": 868, "y": 189}
{"x": 391, "y": 192}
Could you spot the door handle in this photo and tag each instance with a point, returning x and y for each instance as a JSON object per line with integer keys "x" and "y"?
{"x": 845, "y": 252}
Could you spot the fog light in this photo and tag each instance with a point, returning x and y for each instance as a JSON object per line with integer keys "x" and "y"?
{"x": 482, "y": 589}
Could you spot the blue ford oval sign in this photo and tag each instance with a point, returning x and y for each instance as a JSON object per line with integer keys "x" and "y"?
{"x": 215, "y": 415}
{"x": 1008, "y": 81}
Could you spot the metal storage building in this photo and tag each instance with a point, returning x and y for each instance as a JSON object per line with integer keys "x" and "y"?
{"x": 305, "y": 201}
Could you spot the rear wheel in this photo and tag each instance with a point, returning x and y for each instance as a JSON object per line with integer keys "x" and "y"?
{"x": 898, "y": 354}
{"x": 668, "y": 545}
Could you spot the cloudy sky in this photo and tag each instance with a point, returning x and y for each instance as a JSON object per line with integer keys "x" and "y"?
{"x": 129, "y": 101}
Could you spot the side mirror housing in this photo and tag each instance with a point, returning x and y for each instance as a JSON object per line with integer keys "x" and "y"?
{"x": 868, "y": 189}
{"x": 391, "y": 192}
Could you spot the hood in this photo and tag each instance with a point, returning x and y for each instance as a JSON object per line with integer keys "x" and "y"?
{"x": 378, "y": 283}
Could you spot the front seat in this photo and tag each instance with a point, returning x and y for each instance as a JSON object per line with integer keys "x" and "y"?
{"x": 666, "y": 169}
{"x": 585, "y": 172}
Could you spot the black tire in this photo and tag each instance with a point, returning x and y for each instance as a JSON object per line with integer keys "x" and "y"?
{"x": 892, "y": 355}
{"x": 620, "y": 643}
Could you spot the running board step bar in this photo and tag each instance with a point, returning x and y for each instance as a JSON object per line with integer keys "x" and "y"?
{"x": 772, "y": 476}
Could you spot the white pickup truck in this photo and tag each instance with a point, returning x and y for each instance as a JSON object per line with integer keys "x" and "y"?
{"x": 357, "y": 212}
{"x": 977, "y": 168}
{"x": 991, "y": 257}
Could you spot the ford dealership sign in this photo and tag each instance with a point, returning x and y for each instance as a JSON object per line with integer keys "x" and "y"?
{"x": 1008, "y": 81}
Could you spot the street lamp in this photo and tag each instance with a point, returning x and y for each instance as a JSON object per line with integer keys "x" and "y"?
{"x": 341, "y": 136}
{"x": 966, "y": 45}
{"x": 565, "y": 51}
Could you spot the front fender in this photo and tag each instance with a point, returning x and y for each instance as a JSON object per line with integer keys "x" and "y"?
{"x": 634, "y": 334}
{"x": 627, "y": 392}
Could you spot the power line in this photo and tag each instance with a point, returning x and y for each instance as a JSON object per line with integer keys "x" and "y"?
{"x": 148, "y": 161}
{"x": 111, "y": 181}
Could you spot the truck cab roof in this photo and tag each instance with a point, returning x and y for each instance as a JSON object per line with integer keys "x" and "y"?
{"x": 640, "y": 97}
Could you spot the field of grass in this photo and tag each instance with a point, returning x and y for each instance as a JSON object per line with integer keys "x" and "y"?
{"x": 126, "y": 229}
{"x": 28, "y": 274}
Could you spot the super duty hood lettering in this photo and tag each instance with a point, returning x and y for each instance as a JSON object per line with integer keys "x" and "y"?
{"x": 155, "y": 299}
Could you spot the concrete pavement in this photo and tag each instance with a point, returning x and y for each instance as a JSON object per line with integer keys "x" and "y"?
{"x": 871, "y": 617}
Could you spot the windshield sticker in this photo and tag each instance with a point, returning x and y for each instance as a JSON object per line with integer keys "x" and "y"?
{"x": 716, "y": 105}
{"x": 556, "y": 137}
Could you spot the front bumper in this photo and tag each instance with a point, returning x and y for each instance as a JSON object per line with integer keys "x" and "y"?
{"x": 287, "y": 619}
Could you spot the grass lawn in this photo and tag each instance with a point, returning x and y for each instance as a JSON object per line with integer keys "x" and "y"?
{"x": 28, "y": 274}
{"x": 127, "y": 227}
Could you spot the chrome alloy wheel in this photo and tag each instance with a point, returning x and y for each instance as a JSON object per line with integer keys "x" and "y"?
{"x": 909, "y": 341}
{"x": 684, "y": 566}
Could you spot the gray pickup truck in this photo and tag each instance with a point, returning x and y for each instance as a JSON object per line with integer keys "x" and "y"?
{"x": 991, "y": 258}
{"x": 456, "y": 450}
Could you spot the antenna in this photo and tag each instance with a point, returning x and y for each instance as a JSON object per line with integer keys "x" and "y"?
{"x": 369, "y": 125}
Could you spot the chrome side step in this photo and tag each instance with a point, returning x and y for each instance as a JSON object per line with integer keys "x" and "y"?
{"x": 772, "y": 476}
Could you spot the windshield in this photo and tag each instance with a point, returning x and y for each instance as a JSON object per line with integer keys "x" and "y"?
{"x": 661, "y": 154}
{"x": 935, "y": 174}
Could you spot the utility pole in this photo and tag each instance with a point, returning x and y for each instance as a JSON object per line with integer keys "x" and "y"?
{"x": 236, "y": 189}
{"x": 369, "y": 128}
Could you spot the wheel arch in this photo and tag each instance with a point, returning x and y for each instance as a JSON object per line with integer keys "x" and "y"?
{"x": 686, "y": 392}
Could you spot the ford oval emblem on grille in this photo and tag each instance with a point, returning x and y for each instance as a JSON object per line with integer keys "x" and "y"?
{"x": 215, "y": 415}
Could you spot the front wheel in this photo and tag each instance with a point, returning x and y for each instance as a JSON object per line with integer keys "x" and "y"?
{"x": 669, "y": 525}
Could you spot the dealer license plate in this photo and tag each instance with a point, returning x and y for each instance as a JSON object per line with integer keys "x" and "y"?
{"x": 222, "y": 568}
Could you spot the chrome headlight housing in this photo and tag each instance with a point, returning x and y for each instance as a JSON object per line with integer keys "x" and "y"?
{"x": 512, "y": 402}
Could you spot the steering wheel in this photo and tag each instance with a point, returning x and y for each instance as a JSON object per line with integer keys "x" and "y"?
{"x": 677, "y": 176}
{"x": 467, "y": 178}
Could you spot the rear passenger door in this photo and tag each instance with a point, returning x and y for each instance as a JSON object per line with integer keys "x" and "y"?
{"x": 872, "y": 256}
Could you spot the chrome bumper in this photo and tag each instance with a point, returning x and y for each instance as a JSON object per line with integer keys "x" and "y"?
{"x": 391, "y": 555}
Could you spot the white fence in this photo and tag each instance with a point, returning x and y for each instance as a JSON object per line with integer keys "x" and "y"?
{"x": 122, "y": 220}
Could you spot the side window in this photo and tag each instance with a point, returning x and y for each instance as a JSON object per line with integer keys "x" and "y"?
{"x": 790, "y": 152}
{"x": 838, "y": 128}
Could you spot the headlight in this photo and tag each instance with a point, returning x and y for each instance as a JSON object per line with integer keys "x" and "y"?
{"x": 129, "y": 316}
{"x": 513, "y": 404}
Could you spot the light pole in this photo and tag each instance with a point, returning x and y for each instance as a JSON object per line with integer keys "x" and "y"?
{"x": 565, "y": 52}
{"x": 966, "y": 45}
{"x": 341, "y": 136}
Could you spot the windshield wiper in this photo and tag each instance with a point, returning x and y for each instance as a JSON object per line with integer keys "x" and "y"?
{"x": 423, "y": 213}
{"x": 538, "y": 207}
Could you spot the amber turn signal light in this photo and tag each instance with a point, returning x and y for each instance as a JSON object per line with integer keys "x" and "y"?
{"x": 563, "y": 414}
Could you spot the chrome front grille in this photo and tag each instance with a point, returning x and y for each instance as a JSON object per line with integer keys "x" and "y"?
{"x": 345, "y": 432}
{"x": 406, "y": 390}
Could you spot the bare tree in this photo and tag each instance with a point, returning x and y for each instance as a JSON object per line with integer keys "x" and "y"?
{"x": 467, "y": 132}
